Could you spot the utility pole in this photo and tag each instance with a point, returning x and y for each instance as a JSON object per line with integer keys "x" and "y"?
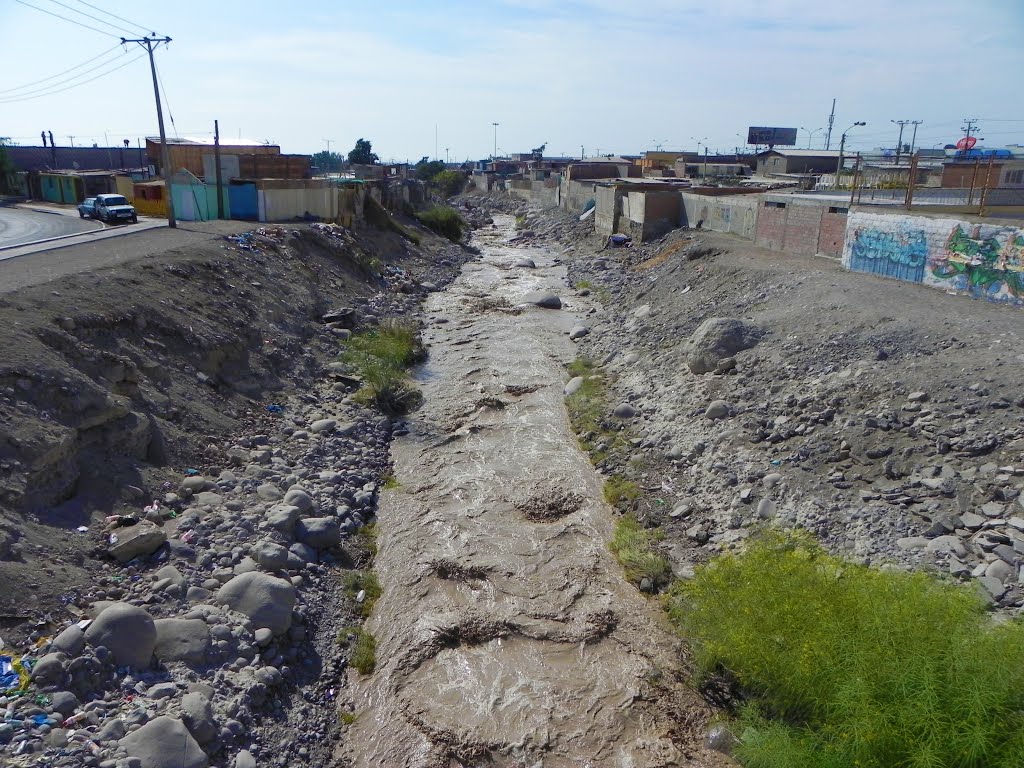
{"x": 446, "y": 155}
{"x": 329, "y": 158}
{"x": 831, "y": 119}
{"x": 495, "y": 155}
{"x": 72, "y": 139}
{"x": 151, "y": 44}
{"x": 899, "y": 141}
{"x": 972, "y": 123}
{"x": 913, "y": 140}
{"x": 842, "y": 146}
{"x": 220, "y": 180}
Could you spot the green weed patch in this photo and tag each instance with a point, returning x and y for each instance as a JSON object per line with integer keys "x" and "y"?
{"x": 381, "y": 358}
{"x": 852, "y": 666}
{"x": 633, "y": 546}
{"x": 444, "y": 221}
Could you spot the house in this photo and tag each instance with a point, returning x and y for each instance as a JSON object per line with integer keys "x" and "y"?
{"x": 49, "y": 158}
{"x": 777, "y": 162}
{"x": 254, "y": 159}
{"x": 71, "y": 187}
{"x": 985, "y": 168}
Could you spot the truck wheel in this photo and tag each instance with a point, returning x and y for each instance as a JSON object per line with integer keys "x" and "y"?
{"x": 135, "y": 219}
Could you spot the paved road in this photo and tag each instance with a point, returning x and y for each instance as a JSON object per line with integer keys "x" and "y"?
{"x": 23, "y": 225}
{"x": 133, "y": 244}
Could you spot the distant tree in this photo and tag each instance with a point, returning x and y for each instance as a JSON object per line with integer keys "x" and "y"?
{"x": 8, "y": 174}
{"x": 427, "y": 170}
{"x": 449, "y": 182}
{"x": 362, "y": 153}
{"x": 328, "y": 161}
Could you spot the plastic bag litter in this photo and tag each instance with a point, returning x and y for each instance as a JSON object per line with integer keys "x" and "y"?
{"x": 14, "y": 674}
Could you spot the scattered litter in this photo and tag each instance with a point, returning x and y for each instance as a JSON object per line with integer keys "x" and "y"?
{"x": 274, "y": 408}
{"x": 82, "y": 529}
{"x": 14, "y": 674}
{"x": 191, "y": 472}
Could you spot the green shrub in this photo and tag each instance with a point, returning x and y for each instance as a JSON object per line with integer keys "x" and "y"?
{"x": 360, "y": 581}
{"x": 362, "y": 648}
{"x": 381, "y": 358}
{"x": 633, "y": 546}
{"x": 852, "y": 666}
{"x": 444, "y": 221}
{"x": 618, "y": 491}
{"x": 449, "y": 182}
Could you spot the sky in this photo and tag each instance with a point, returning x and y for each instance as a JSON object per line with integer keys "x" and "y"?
{"x": 421, "y": 78}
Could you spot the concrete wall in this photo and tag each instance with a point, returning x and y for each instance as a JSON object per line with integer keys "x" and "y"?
{"x": 606, "y": 217}
{"x": 985, "y": 261}
{"x": 574, "y": 195}
{"x": 736, "y": 213}
{"x": 652, "y": 214}
{"x": 543, "y": 193}
{"x": 800, "y": 225}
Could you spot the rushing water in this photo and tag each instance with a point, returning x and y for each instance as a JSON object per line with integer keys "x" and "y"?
{"x": 506, "y": 635}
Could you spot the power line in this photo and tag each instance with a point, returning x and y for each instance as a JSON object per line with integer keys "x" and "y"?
{"x": 115, "y": 16}
{"x": 70, "y": 87}
{"x": 65, "y": 18}
{"x": 163, "y": 88}
{"x": 47, "y": 88}
{"x": 90, "y": 16}
{"x": 69, "y": 69}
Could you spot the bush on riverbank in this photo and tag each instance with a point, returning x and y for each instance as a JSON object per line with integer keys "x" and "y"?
{"x": 633, "y": 546}
{"x": 381, "y": 358}
{"x": 851, "y": 666}
{"x": 444, "y": 221}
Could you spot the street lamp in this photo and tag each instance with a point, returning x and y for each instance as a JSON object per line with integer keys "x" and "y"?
{"x": 701, "y": 141}
{"x": 495, "y": 140}
{"x": 842, "y": 146}
{"x": 810, "y": 134}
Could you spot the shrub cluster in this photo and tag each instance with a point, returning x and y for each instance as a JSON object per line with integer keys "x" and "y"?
{"x": 381, "y": 358}
{"x": 444, "y": 221}
{"x": 633, "y": 546}
{"x": 853, "y": 666}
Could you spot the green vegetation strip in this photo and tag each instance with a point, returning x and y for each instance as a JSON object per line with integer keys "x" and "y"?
{"x": 381, "y": 358}
{"x": 444, "y": 221}
{"x": 362, "y": 649}
{"x": 851, "y": 666}
{"x": 633, "y": 546}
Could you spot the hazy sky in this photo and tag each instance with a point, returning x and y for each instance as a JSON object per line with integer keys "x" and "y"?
{"x": 608, "y": 76}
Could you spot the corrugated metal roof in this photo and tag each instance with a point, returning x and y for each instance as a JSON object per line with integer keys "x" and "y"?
{"x": 806, "y": 152}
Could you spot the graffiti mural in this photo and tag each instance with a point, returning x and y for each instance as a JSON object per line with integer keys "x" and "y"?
{"x": 902, "y": 254}
{"x": 987, "y": 262}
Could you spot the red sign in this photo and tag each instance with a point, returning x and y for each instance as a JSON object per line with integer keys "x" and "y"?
{"x": 967, "y": 142}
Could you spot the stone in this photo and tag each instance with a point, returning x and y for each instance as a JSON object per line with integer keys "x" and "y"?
{"x": 70, "y": 641}
{"x": 918, "y": 397}
{"x": 578, "y": 332}
{"x": 766, "y": 509}
{"x": 209, "y": 499}
{"x": 950, "y": 544}
{"x": 143, "y": 538}
{"x": 305, "y": 553}
{"x": 244, "y": 759}
{"x": 995, "y": 588}
{"x": 112, "y": 730}
{"x": 911, "y": 543}
{"x": 64, "y": 702}
{"x": 543, "y": 299}
{"x": 525, "y": 263}
{"x": 159, "y": 691}
{"x": 323, "y": 425}
{"x": 270, "y": 555}
{"x": 195, "y": 484}
{"x": 165, "y": 742}
{"x": 297, "y": 497}
{"x": 282, "y": 518}
{"x": 127, "y": 631}
{"x": 624, "y": 411}
{"x": 318, "y": 532}
{"x": 186, "y": 640}
{"x": 266, "y": 600}
{"x": 263, "y": 637}
{"x": 572, "y": 386}
{"x": 169, "y": 572}
{"x": 49, "y": 670}
{"x": 269, "y": 492}
{"x": 718, "y": 338}
{"x": 971, "y": 521}
{"x": 197, "y": 714}
{"x": 718, "y": 409}
{"x": 1002, "y": 570}
{"x": 770, "y": 480}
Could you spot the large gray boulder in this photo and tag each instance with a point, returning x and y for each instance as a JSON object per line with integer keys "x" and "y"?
{"x": 717, "y": 339}
{"x": 266, "y": 600}
{"x": 270, "y": 555}
{"x": 197, "y": 713}
{"x": 543, "y": 299}
{"x": 165, "y": 743}
{"x": 133, "y": 541}
{"x": 185, "y": 640}
{"x": 127, "y": 631}
{"x": 319, "y": 532}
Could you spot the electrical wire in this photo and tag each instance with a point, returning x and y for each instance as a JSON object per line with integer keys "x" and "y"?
{"x": 69, "y": 69}
{"x": 90, "y": 16}
{"x": 76, "y": 85}
{"x": 167, "y": 101}
{"x": 47, "y": 88}
{"x": 65, "y": 18}
{"x": 115, "y": 16}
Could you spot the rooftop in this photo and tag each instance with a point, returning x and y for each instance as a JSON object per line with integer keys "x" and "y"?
{"x": 803, "y": 152}
{"x": 207, "y": 141}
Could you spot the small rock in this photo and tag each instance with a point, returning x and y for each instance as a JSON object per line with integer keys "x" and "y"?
{"x": 132, "y": 541}
{"x": 578, "y": 332}
{"x": 572, "y": 386}
{"x": 624, "y": 411}
{"x": 543, "y": 299}
{"x": 718, "y": 409}
{"x": 323, "y": 425}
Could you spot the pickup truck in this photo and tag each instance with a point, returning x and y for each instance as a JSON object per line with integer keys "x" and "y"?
{"x": 112, "y": 208}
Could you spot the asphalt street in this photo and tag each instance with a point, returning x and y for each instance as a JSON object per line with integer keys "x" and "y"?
{"x": 23, "y": 225}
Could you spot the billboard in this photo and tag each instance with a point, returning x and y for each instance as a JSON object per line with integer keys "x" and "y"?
{"x": 771, "y": 136}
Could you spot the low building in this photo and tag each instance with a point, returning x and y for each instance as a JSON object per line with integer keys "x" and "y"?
{"x": 981, "y": 172}
{"x": 796, "y": 161}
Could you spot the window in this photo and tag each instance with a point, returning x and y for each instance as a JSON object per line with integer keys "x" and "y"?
{"x": 837, "y": 209}
{"x": 1014, "y": 177}
{"x": 774, "y": 205}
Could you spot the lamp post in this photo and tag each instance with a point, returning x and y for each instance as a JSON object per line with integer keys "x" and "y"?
{"x": 700, "y": 142}
{"x": 495, "y": 140}
{"x": 842, "y": 146}
{"x": 810, "y": 134}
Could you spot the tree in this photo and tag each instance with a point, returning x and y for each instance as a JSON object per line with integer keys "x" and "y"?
{"x": 427, "y": 170}
{"x": 8, "y": 174}
{"x": 328, "y": 162}
{"x": 362, "y": 154}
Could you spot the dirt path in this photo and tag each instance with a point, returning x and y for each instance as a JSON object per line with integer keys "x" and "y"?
{"x": 506, "y": 634}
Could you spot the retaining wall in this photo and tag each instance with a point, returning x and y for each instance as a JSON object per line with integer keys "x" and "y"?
{"x": 985, "y": 261}
{"x": 735, "y": 214}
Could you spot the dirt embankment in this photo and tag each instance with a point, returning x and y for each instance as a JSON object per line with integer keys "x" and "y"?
{"x": 884, "y": 417}
{"x": 197, "y": 392}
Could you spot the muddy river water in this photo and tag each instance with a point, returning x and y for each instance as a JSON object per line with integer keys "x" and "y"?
{"x": 506, "y": 634}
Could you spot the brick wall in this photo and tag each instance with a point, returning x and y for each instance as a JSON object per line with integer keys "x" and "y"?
{"x": 832, "y": 232}
{"x": 771, "y": 224}
{"x": 802, "y": 228}
{"x": 975, "y": 259}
